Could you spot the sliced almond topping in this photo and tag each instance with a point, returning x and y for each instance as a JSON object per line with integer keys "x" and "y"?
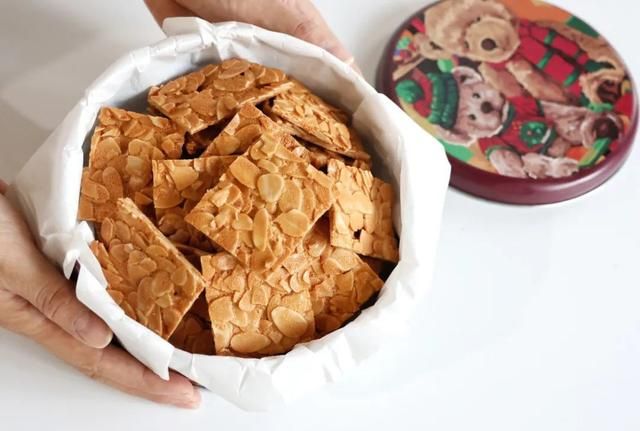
{"x": 183, "y": 176}
{"x": 245, "y": 172}
{"x": 294, "y": 223}
{"x": 291, "y": 197}
{"x": 221, "y": 309}
{"x": 270, "y": 187}
{"x": 249, "y": 342}
{"x": 243, "y": 222}
{"x": 261, "y": 229}
{"x": 289, "y": 322}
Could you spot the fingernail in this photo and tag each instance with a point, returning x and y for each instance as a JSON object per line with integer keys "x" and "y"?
{"x": 190, "y": 401}
{"x": 91, "y": 331}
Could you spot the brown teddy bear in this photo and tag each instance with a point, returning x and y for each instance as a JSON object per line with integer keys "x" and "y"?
{"x": 520, "y": 136}
{"x": 551, "y": 61}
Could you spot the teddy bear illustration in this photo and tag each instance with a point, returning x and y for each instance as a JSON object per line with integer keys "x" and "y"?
{"x": 550, "y": 61}
{"x": 521, "y": 136}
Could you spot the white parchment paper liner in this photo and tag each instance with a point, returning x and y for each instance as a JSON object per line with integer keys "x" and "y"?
{"x": 48, "y": 186}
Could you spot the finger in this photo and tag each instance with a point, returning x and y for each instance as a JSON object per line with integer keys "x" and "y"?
{"x": 216, "y": 10}
{"x": 298, "y": 18}
{"x": 26, "y": 272}
{"x": 3, "y": 187}
{"x": 118, "y": 369}
{"x": 43, "y": 286}
{"x": 335, "y": 47}
{"x": 313, "y": 28}
{"x": 111, "y": 365}
{"x": 162, "y": 9}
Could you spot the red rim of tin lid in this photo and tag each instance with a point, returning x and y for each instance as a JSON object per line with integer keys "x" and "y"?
{"x": 527, "y": 191}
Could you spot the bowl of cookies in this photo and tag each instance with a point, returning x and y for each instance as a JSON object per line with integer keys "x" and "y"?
{"x": 242, "y": 208}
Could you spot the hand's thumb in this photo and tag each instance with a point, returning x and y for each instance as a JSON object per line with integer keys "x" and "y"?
{"x": 319, "y": 33}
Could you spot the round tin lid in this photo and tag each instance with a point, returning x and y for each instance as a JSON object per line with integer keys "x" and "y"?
{"x": 531, "y": 104}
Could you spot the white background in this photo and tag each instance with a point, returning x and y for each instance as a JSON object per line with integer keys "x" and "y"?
{"x": 533, "y": 322}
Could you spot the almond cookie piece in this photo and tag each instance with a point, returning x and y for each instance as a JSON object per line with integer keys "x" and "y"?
{"x": 178, "y": 185}
{"x": 308, "y": 117}
{"x": 264, "y": 205}
{"x": 361, "y": 218}
{"x": 241, "y": 132}
{"x": 245, "y": 128}
{"x": 148, "y": 277}
{"x": 337, "y": 279}
{"x": 207, "y": 96}
{"x": 248, "y": 316}
{"x": 122, "y": 147}
{"x": 318, "y": 156}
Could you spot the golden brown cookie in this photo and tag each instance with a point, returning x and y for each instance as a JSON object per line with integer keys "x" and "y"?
{"x": 249, "y": 317}
{"x": 241, "y": 132}
{"x": 264, "y": 205}
{"x": 207, "y": 96}
{"x": 245, "y": 128}
{"x": 178, "y": 185}
{"x": 308, "y": 117}
{"x": 338, "y": 281}
{"x": 361, "y": 218}
{"x": 319, "y": 158}
{"x": 122, "y": 147}
{"x": 148, "y": 277}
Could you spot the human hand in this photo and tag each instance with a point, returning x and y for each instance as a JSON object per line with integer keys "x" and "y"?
{"x": 36, "y": 301}
{"x": 299, "y": 18}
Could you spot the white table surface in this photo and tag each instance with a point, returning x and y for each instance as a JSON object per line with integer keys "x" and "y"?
{"x": 533, "y": 321}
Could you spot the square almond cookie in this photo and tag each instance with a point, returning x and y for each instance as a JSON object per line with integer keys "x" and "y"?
{"x": 362, "y": 218}
{"x": 264, "y": 205}
{"x": 207, "y": 96}
{"x": 319, "y": 158}
{"x": 244, "y": 129}
{"x": 147, "y": 276}
{"x": 316, "y": 155}
{"x": 338, "y": 280}
{"x": 178, "y": 185}
{"x": 310, "y": 118}
{"x": 122, "y": 147}
{"x": 248, "y": 316}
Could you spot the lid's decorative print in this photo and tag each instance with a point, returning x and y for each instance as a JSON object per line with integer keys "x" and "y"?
{"x": 514, "y": 87}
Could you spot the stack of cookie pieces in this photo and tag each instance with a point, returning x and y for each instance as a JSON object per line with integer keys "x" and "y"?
{"x": 240, "y": 220}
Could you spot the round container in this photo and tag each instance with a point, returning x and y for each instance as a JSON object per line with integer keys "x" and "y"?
{"x": 532, "y": 105}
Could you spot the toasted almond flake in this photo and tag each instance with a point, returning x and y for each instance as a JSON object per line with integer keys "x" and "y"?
{"x": 249, "y": 342}
{"x": 270, "y": 187}
{"x": 294, "y": 223}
